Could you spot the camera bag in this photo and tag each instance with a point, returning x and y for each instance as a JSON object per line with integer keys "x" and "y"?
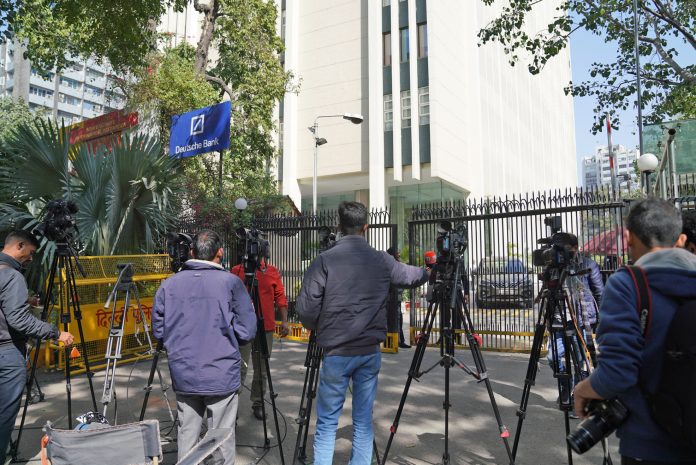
{"x": 673, "y": 405}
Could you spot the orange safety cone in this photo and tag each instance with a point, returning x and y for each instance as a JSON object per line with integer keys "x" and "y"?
{"x": 74, "y": 353}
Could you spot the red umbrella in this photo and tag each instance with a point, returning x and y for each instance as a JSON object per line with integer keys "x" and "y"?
{"x": 606, "y": 243}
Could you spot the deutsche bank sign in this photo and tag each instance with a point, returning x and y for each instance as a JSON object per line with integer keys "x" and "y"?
{"x": 200, "y": 131}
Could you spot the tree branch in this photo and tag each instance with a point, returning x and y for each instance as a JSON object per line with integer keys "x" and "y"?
{"x": 667, "y": 17}
{"x": 686, "y": 75}
{"x": 222, "y": 84}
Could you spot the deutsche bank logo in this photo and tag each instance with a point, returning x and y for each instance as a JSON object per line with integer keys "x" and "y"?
{"x": 197, "y": 124}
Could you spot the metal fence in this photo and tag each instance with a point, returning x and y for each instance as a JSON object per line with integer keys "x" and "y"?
{"x": 502, "y": 234}
{"x": 295, "y": 242}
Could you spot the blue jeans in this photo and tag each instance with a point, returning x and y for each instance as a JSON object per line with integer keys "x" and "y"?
{"x": 13, "y": 378}
{"x": 336, "y": 373}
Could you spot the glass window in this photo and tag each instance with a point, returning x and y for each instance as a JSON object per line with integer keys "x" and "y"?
{"x": 282, "y": 25}
{"x": 424, "y": 105}
{"x": 69, "y": 83}
{"x": 403, "y": 36}
{"x": 422, "y": 40}
{"x": 388, "y": 113}
{"x": 405, "y": 108}
{"x": 40, "y": 91}
{"x": 68, "y": 99}
{"x": 386, "y": 2}
{"x": 386, "y": 49}
{"x": 94, "y": 74}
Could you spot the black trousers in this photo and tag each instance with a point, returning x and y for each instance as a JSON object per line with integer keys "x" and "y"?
{"x": 632, "y": 461}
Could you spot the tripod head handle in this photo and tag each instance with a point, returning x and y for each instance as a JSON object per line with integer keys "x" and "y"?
{"x": 124, "y": 267}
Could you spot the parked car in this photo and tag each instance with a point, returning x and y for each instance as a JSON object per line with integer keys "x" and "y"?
{"x": 503, "y": 282}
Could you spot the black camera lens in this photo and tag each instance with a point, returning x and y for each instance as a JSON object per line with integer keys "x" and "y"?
{"x": 605, "y": 416}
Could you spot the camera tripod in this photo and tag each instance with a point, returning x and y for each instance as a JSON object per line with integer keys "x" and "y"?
{"x": 448, "y": 297}
{"x": 125, "y": 285}
{"x": 309, "y": 393}
{"x": 63, "y": 269}
{"x": 260, "y": 350}
{"x": 558, "y": 316}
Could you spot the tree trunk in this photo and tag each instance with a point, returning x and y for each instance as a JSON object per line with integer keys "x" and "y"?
{"x": 210, "y": 13}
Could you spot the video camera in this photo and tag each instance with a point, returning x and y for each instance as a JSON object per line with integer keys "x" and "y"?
{"x": 59, "y": 222}
{"x": 451, "y": 242}
{"x": 179, "y": 249}
{"x": 251, "y": 248}
{"x": 327, "y": 238}
{"x": 557, "y": 252}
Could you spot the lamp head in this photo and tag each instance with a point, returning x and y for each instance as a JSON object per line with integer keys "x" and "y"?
{"x": 353, "y": 117}
{"x": 320, "y": 141}
{"x": 648, "y": 162}
{"x": 240, "y": 204}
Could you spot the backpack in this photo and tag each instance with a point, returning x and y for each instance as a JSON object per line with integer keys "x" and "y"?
{"x": 673, "y": 405}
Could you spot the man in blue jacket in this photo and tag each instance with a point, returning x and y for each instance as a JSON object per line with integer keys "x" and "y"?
{"x": 343, "y": 298}
{"x": 630, "y": 364}
{"x": 203, "y": 313}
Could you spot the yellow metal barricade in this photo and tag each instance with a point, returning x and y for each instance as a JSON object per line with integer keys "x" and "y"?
{"x": 93, "y": 290}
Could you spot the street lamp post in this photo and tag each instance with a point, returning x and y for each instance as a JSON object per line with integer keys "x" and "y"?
{"x": 314, "y": 129}
{"x": 647, "y": 163}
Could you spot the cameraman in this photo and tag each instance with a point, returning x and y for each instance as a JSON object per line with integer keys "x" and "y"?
{"x": 271, "y": 294}
{"x": 630, "y": 364}
{"x": 203, "y": 314}
{"x": 343, "y": 299}
{"x": 17, "y": 323}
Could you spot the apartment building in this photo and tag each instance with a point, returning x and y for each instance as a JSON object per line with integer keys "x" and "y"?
{"x": 596, "y": 172}
{"x": 83, "y": 91}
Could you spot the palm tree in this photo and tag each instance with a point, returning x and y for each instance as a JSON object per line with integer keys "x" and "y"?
{"x": 126, "y": 194}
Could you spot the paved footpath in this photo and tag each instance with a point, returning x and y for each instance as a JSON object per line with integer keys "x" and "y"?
{"x": 419, "y": 440}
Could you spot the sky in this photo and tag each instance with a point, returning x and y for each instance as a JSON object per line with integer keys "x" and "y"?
{"x": 586, "y": 48}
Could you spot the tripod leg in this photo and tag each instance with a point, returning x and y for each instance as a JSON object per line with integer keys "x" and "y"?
{"x": 37, "y": 348}
{"x": 532, "y": 370}
{"x": 309, "y": 392}
{"x": 272, "y": 395}
{"x": 64, "y": 292}
{"x": 413, "y": 372}
{"x": 72, "y": 288}
{"x": 150, "y": 378}
{"x": 483, "y": 375}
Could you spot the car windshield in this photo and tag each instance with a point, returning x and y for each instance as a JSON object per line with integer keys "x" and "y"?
{"x": 496, "y": 266}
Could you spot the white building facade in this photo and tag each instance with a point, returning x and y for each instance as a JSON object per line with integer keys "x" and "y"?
{"x": 596, "y": 172}
{"x": 83, "y": 91}
{"x": 444, "y": 118}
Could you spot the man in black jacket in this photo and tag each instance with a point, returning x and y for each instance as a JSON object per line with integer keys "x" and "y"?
{"x": 16, "y": 325}
{"x": 343, "y": 298}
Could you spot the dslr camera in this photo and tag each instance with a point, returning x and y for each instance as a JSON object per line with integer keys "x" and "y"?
{"x": 556, "y": 251}
{"x": 451, "y": 242}
{"x": 59, "y": 221}
{"x": 179, "y": 249}
{"x": 605, "y": 416}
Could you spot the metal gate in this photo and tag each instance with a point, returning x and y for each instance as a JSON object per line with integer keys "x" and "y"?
{"x": 502, "y": 234}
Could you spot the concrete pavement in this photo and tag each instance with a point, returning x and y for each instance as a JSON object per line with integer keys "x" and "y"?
{"x": 420, "y": 438}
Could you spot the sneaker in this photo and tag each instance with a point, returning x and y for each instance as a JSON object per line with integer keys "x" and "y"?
{"x": 258, "y": 412}
{"x": 404, "y": 346}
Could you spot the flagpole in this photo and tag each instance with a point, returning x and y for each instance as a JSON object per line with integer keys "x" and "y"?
{"x": 220, "y": 175}
{"x": 612, "y": 164}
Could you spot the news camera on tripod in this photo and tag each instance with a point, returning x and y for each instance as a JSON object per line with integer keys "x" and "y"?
{"x": 343, "y": 300}
{"x": 203, "y": 314}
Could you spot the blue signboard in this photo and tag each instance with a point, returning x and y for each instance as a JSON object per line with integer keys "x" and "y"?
{"x": 200, "y": 131}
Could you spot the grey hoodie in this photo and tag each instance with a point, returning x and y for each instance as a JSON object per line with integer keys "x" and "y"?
{"x": 668, "y": 258}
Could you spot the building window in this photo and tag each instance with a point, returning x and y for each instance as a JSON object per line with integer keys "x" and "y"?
{"x": 94, "y": 74}
{"x": 68, "y": 99}
{"x": 95, "y": 107}
{"x": 405, "y": 108}
{"x": 424, "y": 105}
{"x": 403, "y": 41}
{"x": 386, "y": 2}
{"x": 94, "y": 91}
{"x": 386, "y": 49}
{"x": 422, "y": 40}
{"x": 282, "y": 25}
{"x": 40, "y": 92}
{"x": 69, "y": 83}
{"x": 45, "y": 76}
{"x": 388, "y": 113}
